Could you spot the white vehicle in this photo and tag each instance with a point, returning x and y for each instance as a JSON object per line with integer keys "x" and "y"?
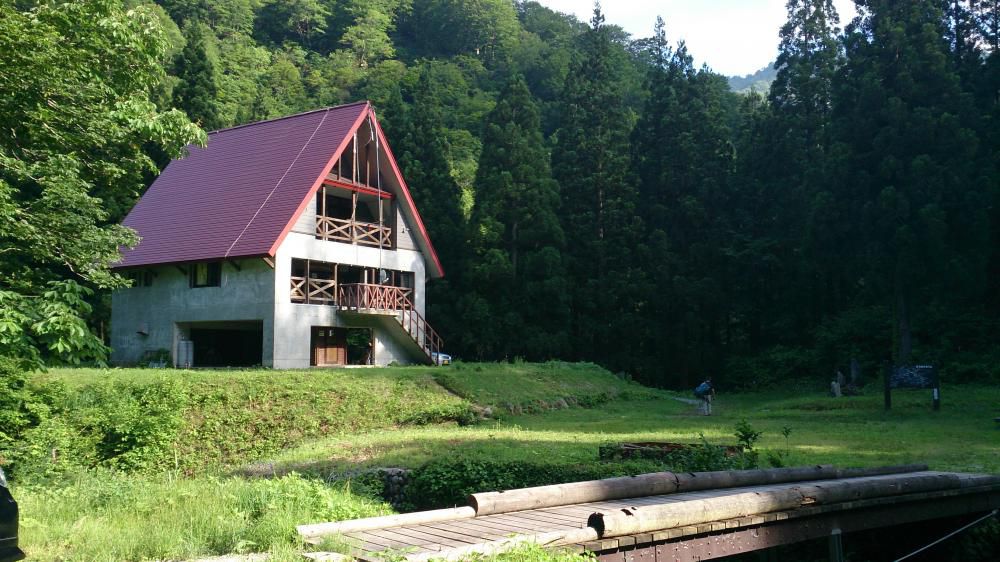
{"x": 441, "y": 358}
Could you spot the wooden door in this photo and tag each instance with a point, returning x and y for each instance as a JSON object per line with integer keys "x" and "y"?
{"x": 329, "y": 346}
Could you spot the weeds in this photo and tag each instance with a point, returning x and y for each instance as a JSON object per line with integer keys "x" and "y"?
{"x": 104, "y": 515}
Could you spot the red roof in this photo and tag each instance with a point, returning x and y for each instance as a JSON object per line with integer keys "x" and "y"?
{"x": 239, "y": 196}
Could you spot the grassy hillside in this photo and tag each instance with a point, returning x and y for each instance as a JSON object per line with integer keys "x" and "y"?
{"x": 173, "y": 419}
{"x": 311, "y": 426}
{"x": 520, "y": 388}
{"x": 850, "y": 431}
{"x": 190, "y": 420}
{"x": 144, "y": 458}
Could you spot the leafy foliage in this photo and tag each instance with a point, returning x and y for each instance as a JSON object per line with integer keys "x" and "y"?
{"x": 516, "y": 235}
{"x": 448, "y": 482}
{"x": 75, "y": 108}
{"x": 104, "y": 515}
{"x": 196, "y": 91}
{"x": 618, "y": 205}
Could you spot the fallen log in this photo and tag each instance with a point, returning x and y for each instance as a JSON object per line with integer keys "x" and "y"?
{"x": 653, "y": 518}
{"x": 652, "y": 484}
{"x": 658, "y": 483}
{"x": 880, "y": 470}
{"x": 317, "y": 530}
{"x": 693, "y": 481}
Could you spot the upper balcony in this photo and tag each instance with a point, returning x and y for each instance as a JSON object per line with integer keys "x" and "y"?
{"x": 353, "y": 232}
{"x": 349, "y": 212}
{"x": 353, "y": 205}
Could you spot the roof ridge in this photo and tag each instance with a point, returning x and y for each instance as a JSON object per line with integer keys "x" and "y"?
{"x": 311, "y": 111}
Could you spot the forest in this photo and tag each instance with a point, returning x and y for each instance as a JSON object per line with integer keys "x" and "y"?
{"x": 593, "y": 196}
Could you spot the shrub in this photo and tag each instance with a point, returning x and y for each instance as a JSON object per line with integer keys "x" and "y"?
{"x": 117, "y": 424}
{"x": 20, "y": 407}
{"x": 774, "y": 366}
{"x": 134, "y": 425}
{"x": 101, "y": 514}
{"x": 449, "y": 482}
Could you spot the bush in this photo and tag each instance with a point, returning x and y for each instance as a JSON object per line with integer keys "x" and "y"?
{"x": 447, "y": 483}
{"x": 101, "y": 514}
{"x": 20, "y": 407}
{"x": 122, "y": 425}
{"x": 774, "y": 366}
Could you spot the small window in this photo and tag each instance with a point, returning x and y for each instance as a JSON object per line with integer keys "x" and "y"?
{"x": 140, "y": 278}
{"x": 206, "y": 274}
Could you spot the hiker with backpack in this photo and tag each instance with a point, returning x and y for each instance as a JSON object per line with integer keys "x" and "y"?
{"x": 706, "y": 392}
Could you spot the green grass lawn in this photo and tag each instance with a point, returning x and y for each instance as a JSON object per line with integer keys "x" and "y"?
{"x": 848, "y": 431}
{"x": 311, "y": 425}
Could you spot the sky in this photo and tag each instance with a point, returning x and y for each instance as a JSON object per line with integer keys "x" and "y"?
{"x": 734, "y": 37}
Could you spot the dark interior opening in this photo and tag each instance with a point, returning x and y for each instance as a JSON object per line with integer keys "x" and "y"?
{"x": 228, "y": 344}
{"x": 360, "y": 346}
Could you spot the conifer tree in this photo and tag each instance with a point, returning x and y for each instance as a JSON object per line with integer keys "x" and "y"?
{"x": 789, "y": 164}
{"x": 591, "y": 163}
{"x": 516, "y": 282}
{"x": 196, "y": 90}
{"x": 910, "y": 184}
{"x": 683, "y": 158}
{"x": 422, "y": 149}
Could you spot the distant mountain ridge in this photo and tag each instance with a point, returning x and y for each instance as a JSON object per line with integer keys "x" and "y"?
{"x": 759, "y": 81}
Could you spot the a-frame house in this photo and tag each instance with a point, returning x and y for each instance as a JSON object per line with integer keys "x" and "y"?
{"x": 286, "y": 243}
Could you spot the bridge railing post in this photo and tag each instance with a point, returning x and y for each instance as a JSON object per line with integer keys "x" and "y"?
{"x": 836, "y": 546}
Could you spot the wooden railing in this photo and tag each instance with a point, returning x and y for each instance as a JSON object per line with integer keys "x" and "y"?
{"x": 346, "y": 230}
{"x": 315, "y": 291}
{"x": 363, "y": 297}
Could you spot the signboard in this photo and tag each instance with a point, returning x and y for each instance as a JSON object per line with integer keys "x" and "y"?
{"x": 914, "y": 376}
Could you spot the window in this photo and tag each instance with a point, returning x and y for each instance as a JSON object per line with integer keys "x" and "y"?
{"x": 206, "y": 274}
{"x": 140, "y": 278}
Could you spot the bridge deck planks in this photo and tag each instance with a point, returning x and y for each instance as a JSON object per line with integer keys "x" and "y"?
{"x": 434, "y": 537}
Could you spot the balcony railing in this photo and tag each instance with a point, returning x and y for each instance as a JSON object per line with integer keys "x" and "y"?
{"x": 365, "y": 296}
{"x": 313, "y": 291}
{"x": 353, "y": 232}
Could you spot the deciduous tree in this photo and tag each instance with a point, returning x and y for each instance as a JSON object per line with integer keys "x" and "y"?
{"x": 75, "y": 79}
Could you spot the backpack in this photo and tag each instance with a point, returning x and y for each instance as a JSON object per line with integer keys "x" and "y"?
{"x": 702, "y": 389}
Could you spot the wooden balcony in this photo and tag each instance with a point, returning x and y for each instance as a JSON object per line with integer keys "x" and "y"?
{"x": 365, "y": 298}
{"x": 353, "y": 232}
{"x": 313, "y": 291}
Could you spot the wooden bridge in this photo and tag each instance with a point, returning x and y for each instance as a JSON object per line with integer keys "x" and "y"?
{"x": 671, "y": 516}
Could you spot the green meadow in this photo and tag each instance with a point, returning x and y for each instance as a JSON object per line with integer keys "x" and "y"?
{"x": 194, "y": 486}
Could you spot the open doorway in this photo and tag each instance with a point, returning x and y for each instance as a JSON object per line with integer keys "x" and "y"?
{"x": 336, "y": 347}
{"x": 227, "y": 344}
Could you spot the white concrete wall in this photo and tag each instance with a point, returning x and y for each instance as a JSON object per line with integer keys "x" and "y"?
{"x": 305, "y": 246}
{"x": 404, "y": 238}
{"x": 293, "y": 322}
{"x": 307, "y": 220}
{"x": 243, "y": 295}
